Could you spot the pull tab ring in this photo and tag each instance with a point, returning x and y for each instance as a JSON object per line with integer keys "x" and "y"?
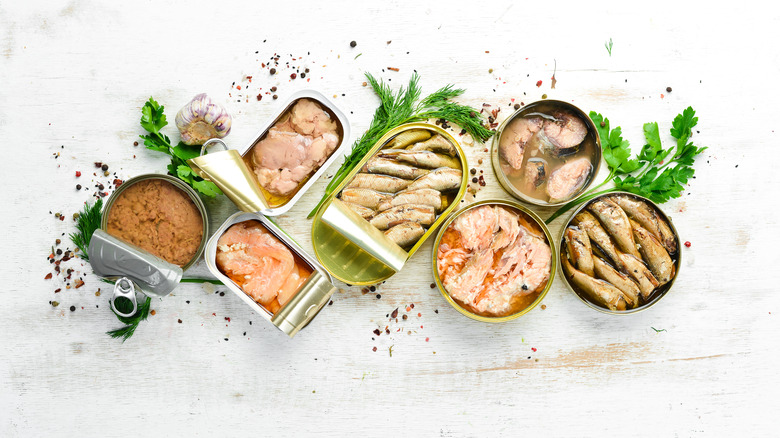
{"x": 211, "y": 144}
{"x": 124, "y": 289}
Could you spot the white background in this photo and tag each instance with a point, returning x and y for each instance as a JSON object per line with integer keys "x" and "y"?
{"x": 73, "y": 76}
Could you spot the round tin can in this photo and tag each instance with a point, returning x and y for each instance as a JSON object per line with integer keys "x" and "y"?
{"x": 657, "y": 295}
{"x": 534, "y": 107}
{"x": 193, "y": 196}
{"x": 553, "y": 262}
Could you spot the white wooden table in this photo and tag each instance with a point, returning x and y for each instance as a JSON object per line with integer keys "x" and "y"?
{"x": 73, "y": 76}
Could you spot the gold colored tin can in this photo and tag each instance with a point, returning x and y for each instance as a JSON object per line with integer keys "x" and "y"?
{"x": 512, "y": 183}
{"x": 177, "y": 183}
{"x": 522, "y": 210}
{"x": 352, "y": 249}
{"x": 662, "y": 290}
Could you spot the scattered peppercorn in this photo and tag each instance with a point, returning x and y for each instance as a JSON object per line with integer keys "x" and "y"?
{"x": 72, "y": 308}
{"x": 353, "y": 44}
{"x": 404, "y": 317}
{"x": 78, "y": 186}
{"x": 374, "y": 349}
{"x": 179, "y": 321}
{"x": 668, "y": 89}
{"x": 378, "y": 296}
{"x": 272, "y": 71}
{"x": 275, "y": 97}
{"x": 687, "y": 244}
{"x": 293, "y": 75}
{"x": 474, "y": 180}
{"x": 517, "y": 106}
{"x": 55, "y": 303}
{"x": 260, "y": 97}
{"x": 153, "y": 312}
{"x": 433, "y": 285}
{"x": 377, "y": 332}
{"x": 473, "y": 171}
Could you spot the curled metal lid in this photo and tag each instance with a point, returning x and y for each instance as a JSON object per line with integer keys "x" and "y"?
{"x": 111, "y": 257}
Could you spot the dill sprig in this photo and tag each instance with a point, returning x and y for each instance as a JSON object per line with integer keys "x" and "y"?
{"x": 132, "y": 321}
{"x": 405, "y": 106}
{"x": 88, "y": 222}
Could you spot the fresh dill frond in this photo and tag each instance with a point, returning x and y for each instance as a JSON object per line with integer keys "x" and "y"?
{"x": 608, "y": 46}
{"x": 131, "y": 322}
{"x": 405, "y": 106}
{"x": 87, "y": 223}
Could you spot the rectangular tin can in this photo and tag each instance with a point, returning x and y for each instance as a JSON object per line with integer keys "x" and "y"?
{"x": 231, "y": 170}
{"x": 307, "y": 301}
{"x": 352, "y": 249}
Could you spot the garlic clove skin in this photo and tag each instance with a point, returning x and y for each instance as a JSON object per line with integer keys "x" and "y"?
{"x": 201, "y": 120}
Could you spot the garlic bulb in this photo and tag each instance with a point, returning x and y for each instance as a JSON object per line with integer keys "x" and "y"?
{"x": 201, "y": 120}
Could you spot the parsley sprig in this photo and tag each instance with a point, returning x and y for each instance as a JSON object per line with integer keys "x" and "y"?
{"x": 656, "y": 173}
{"x": 405, "y": 106}
{"x": 153, "y": 120}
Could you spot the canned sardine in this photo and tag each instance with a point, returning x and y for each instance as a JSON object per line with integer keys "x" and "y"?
{"x": 620, "y": 253}
{"x": 391, "y": 202}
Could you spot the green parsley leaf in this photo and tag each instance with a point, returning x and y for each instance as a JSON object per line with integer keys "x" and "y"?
{"x": 153, "y": 120}
{"x": 656, "y": 173}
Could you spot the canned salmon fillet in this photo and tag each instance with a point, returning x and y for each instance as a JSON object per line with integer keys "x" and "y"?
{"x": 260, "y": 264}
{"x": 269, "y": 271}
{"x": 493, "y": 260}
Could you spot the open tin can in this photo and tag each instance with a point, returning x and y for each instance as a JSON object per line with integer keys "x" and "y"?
{"x": 523, "y": 303}
{"x": 153, "y": 228}
{"x": 525, "y": 159}
{"x": 307, "y": 299}
{"x": 645, "y": 214}
{"x": 349, "y": 246}
{"x": 232, "y": 170}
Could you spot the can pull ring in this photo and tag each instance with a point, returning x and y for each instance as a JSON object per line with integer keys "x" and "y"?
{"x": 211, "y": 144}
{"x": 124, "y": 289}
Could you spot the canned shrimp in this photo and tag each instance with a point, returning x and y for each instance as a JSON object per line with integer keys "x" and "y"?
{"x": 546, "y": 153}
{"x": 619, "y": 253}
{"x": 291, "y": 151}
{"x": 389, "y": 204}
{"x": 494, "y": 260}
{"x": 269, "y": 271}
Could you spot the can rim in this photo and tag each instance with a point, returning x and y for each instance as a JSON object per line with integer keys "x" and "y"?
{"x": 655, "y": 300}
{"x": 502, "y": 178}
{"x": 178, "y": 184}
{"x": 528, "y": 308}
{"x": 439, "y": 220}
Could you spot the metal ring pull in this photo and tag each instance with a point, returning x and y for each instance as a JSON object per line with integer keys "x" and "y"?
{"x": 215, "y": 142}
{"x": 124, "y": 288}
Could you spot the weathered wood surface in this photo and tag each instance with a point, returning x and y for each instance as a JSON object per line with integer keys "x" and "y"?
{"x": 75, "y": 74}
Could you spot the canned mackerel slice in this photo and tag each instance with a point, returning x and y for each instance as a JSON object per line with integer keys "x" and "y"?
{"x": 527, "y": 250}
{"x": 245, "y": 177}
{"x": 546, "y": 153}
{"x": 354, "y": 231}
{"x": 269, "y": 271}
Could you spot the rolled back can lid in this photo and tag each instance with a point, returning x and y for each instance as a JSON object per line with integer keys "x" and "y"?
{"x": 305, "y": 305}
{"x": 111, "y": 257}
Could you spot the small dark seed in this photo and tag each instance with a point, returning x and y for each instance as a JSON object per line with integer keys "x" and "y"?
{"x": 473, "y": 171}
{"x": 517, "y": 106}
{"x": 668, "y": 89}
{"x": 78, "y": 186}
{"x": 104, "y": 167}
{"x": 372, "y": 288}
{"x": 353, "y": 44}
{"x": 378, "y": 296}
{"x": 293, "y": 75}
{"x": 474, "y": 180}
{"x": 272, "y": 71}
{"x": 275, "y": 97}
{"x": 433, "y": 285}
{"x": 72, "y": 308}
